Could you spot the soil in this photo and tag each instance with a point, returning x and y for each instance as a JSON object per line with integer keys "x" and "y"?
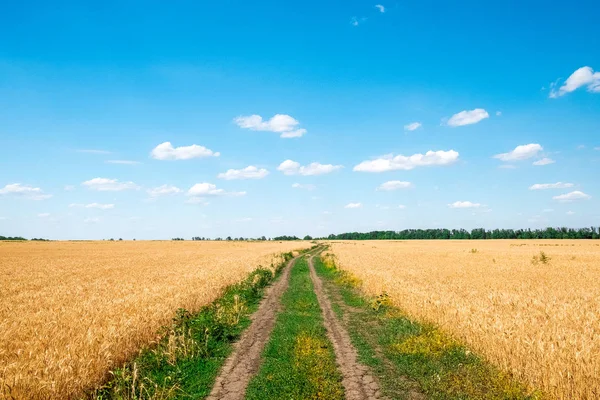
{"x": 245, "y": 359}
{"x": 357, "y": 380}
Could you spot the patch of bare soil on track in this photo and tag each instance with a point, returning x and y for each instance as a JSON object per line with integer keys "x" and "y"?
{"x": 245, "y": 359}
{"x": 358, "y": 382}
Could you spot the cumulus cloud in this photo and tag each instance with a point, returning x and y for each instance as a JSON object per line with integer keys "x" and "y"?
{"x": 544, "y": 186}
{"x": 522, "y": 152}
{"x": 209, "y": 189}
{"x": 122, "y": 162}
{"x": 380, "y": 8}
{"x": 468, "y": 117}
{"x": 250, "y": 172}
{"x": 412, "y": 126}
{"x": 353, "y": 205}
{"x": 163, "y": 190}
{"x": 572, "y": 196}
{"x": 543, "y": 161}
{"x": 166, "y": 151}
{"x": 283, "y": 124}
{"x": 306, "y": 186}
{"x": 109, "y": 185}
{"x": 24, "y": 191}
{"x": 584, "y": 76}
{"x": 570, "y": 212}
{"x": 464, "y": 204}
{"x": 289, "y": 167}
{"x": 391, "y": 163}
{"x": 394, "y": 185}
{"x": 93, "y": 205}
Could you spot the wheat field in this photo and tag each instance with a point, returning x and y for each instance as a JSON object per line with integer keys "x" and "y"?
{"x": 539, "y": 321}
{"x": 71, "y": 311}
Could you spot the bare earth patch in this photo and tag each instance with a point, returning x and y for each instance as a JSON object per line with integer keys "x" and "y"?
{"x": 358, "y": 382}
{"x": 245, "y": 359}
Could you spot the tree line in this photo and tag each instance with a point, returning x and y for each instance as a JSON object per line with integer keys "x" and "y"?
{"x": 475, "y": 234}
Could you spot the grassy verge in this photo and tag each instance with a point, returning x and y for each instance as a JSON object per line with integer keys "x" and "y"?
{"x": 187, "y": 360}
{"x": 408, "y": 357}
{"x": 299, "y": 362}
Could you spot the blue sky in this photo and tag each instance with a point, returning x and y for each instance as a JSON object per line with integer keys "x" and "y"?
{"x": 352, "y": 94}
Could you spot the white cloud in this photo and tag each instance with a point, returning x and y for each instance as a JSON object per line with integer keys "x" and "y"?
{"x": 108, "y": 185}
{"x": 123, "y": 162}
{"x": 69, "y": 188}
{"x": 468, "y": 117}
{"x": 250, "y": 172}
{"x": 394, "y": 185}
{"x": 584, "y": 76}
{"x": 354, "y": 21}
{"x": 289, "y": 167}
{"x": 100, "y": 206}
{"x": 464, "y": 204}
{"x": 570, "y": 212}
{"x": 597, "y": 148}
{"x": 576, "y": 195}
{"x": 209, "y": 189}
{"x": 498, "y": 113}
{"x": 400, "y": 162}
{"x": 284, "y": 124}
{"x": 92, "y": 220}
{"x": 522, "y": 152}
{"x": 91, "y": 151}
{"x": 246, "y": 219}
{"x": 401, "y": 206}
{"x": 353, "y": 205}
{"x": 412, "y": 126}
{"x": 93, "y": 205}
{"x": 43, "y": 215}
{"x": 306, "y": 186}
{"x": 166, "y": 151}
{"x": 380, "y": 8}
{"x": 24, "y": 191}
{"x": 543, "y": 161}
{"x": 581, "y": 147}
{"x": 557, "y": 185}
{"x": 163, "y": 190}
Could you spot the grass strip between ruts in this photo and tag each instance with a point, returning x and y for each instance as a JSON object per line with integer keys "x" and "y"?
{"x": 299, "y": 362}
{"x": 185, "y": 363}
{"x": 411, "y": 360}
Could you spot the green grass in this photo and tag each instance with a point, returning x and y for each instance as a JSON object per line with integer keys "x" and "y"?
{"x": 299, "y": 362}
{"x": 194, "y": 347}
{"x": 409, "y": 356}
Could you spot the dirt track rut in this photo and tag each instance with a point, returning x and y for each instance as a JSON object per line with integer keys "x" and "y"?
{"x": 245, "y": 360}
{"x": 358, "y": 383}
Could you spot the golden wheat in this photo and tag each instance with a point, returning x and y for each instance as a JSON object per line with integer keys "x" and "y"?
{"x": 534, "y": 317}
{"x": 69, "y": 312}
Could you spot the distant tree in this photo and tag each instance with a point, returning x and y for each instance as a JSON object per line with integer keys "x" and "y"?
{"x": 307, "y": 237}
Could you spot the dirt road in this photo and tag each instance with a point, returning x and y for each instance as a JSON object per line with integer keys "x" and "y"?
{"x": 245, "y": 360}
{"x": 358, "y": 383}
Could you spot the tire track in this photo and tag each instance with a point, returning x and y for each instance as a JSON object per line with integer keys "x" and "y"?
{"x": 245, "y": 360}
{"x": 358, "y": 382}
